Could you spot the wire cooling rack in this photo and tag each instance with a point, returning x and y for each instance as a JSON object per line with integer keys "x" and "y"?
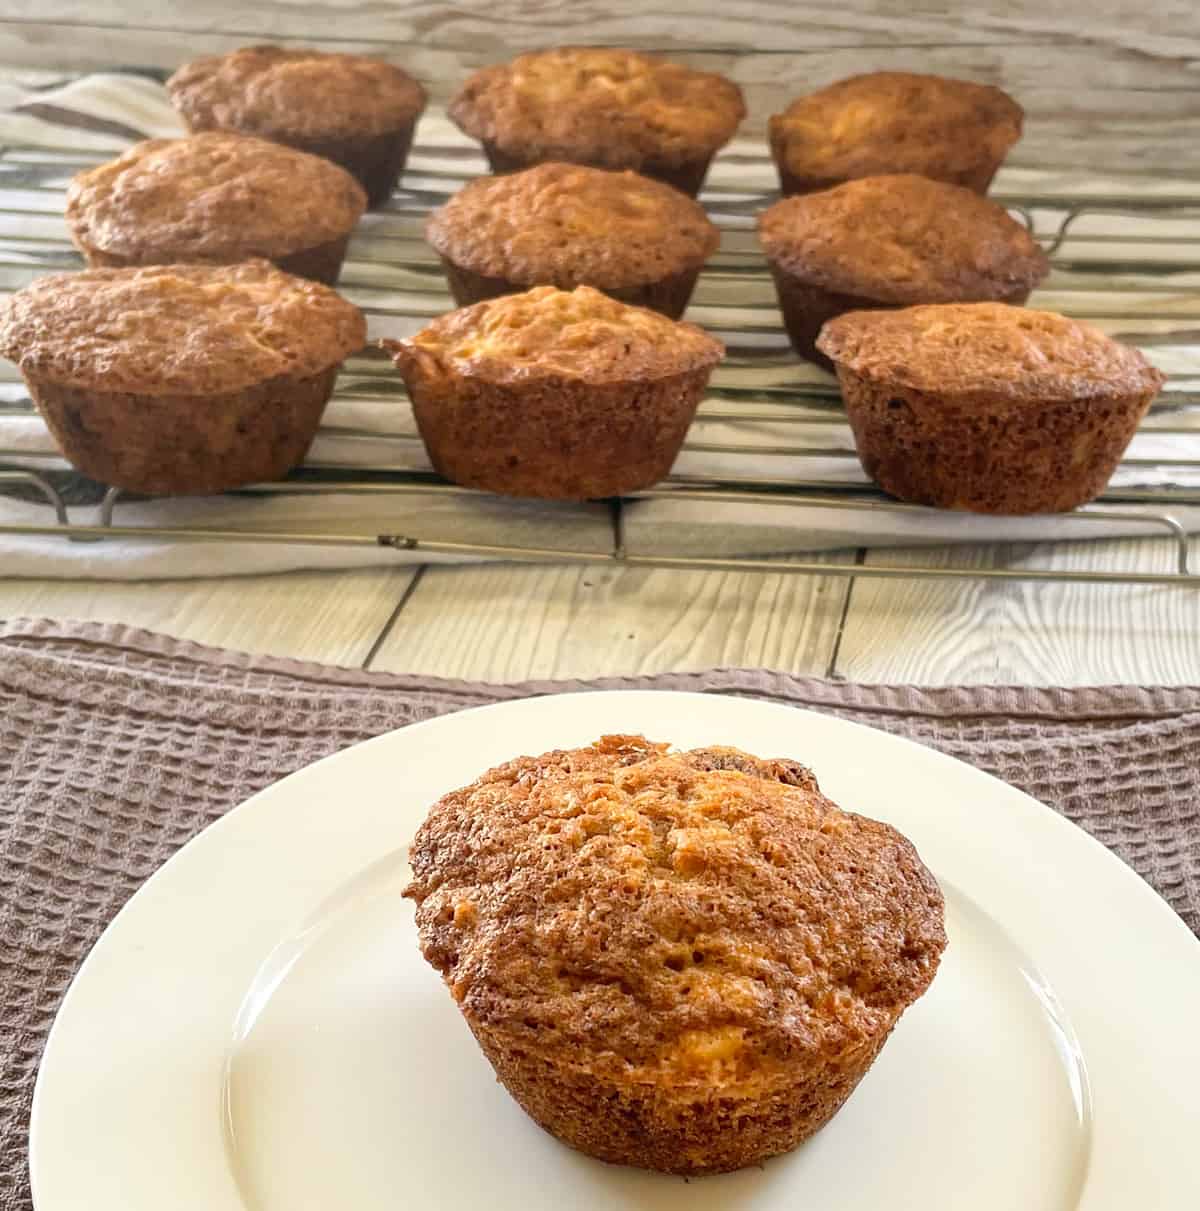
{"x": 770, "y": 435}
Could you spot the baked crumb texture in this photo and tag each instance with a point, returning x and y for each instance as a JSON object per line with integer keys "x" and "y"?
{"x": 603, "y": 107}
{"x": 988, "y": 407}
{"x": 558, "y": 394}
{"x": 568, "y": 225}
{"x": 891, "y": 122}
{"x": 682, "y": 961}
{"x": 180, "y": 379}
{"x": 216, "y": 197}
{"x": 358, "y": 111}
{"x": 892, "y": 241}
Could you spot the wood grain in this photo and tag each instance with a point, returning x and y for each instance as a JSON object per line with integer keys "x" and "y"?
{"x": 499, "y": 623}
{"x": 1160, "y": 27}
{"x": 334, "y": 617}
{"x": 973, "y": 632}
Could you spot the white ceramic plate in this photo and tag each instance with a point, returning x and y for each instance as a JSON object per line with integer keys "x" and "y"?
{"x": 256, "y": 1029}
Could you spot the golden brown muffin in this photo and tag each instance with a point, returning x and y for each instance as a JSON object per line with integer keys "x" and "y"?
{"x": 555, "y": 394}
{"x": 180, "y": 379}
{"x": 682, "y": 961}
{"x": 357, "y": 111}
{"x": 608, "y": 108}
{"x": 892, "y": 241}
{"x": 567, "y": 225}
{"x": 219, "y": 198}
{"x": 890, "y": 121}
{"x": 986, "y": 407}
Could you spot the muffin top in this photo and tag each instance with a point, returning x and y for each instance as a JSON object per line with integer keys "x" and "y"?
{"x": 295, "y": 93}
{"x": 895, "y": 122}
{"x": 550, "y": 333}
{"x": 212, "y": 197}
{"x": 903, "y": 239}
{"x": 615, "y": 108}
{"x": 689, "y": 918}
{"x": 987, "y": 349}
{"x": 186, "y": 329}
{"x": 566, "y": 224}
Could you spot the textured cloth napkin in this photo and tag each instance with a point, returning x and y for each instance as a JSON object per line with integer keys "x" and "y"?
{"x": 118, "y": 745}
{"x": 393, "y": 275}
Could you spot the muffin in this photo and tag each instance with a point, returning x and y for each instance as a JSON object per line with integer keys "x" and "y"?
{"x": 608, "y": 108}
{"x": 890, "y": 121}
{"x": 180, "y": 379}
{"x": 357, "y": 111}
{"x": 566, "y": 225}
{"x": 565, "y": 395}
{"x": 987, "y": 407}
{"x": 892, "y": 241}
{"x": 216, "y": 197}
{"x": 681, "y": 961}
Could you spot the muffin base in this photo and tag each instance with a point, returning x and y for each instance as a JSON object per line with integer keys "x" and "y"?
{"x": 662, "y": 1129}
{"x": 669, "y": 295}
{"x": 320, "y": 263}
{"x": 807, "y": 308}
{"x": 376, "y": 161}
{"x": 686, "y": 176}
{"x": 988, "y": 455}
{"x": 554, "y": 439}
{"x": 182, "y": 445}
{"x": 978, "y": 179}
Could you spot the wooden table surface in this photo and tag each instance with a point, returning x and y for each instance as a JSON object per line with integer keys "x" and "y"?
{"x": 500, "y": 622}
{"x": 1103, "y": 85}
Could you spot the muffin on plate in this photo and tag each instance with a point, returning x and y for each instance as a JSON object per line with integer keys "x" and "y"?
{"x": 892, "y": 241}
{"x": 566, "y": 395}
{"x": 987, "y": 407}
{"x": 180, "y": 379}
{"x": 890, "y": 121}
{"x": 568, "y": 225}
{"x": 684, "y": 961}
{"x": 608, "y": 108}
{"x": 357, "y": 111}
{"x": 216, "y": 197}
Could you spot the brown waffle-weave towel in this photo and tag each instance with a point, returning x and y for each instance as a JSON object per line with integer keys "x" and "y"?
{"x": 116, "y": 746}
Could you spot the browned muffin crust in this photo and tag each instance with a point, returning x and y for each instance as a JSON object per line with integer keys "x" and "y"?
{"x": 216, "y": 197}
{"x": 683, "y": 961}
{"x": 903, "y": 239}
{"x": 194, "y": 329}
{"x": 287, "y": 94}
{"x": 988, "y": 349}
{"x": 608, "y": 108}
{"x": 891, "y": 241}
{"x": 895, "y": 122}
{"x": 356, "y": 111}
{"x": 568, "y": 225}
{"x": 546, "y": 333}
{"x": 988, "y": 408}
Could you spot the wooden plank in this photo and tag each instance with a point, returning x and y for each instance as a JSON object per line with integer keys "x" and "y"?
{"x": 333, "y": 617}
{"x": 742, "y": 25}
{"x": 1122, "y": 99}
{"x": 936, "y": 633}
{"x": 500, "y": 623}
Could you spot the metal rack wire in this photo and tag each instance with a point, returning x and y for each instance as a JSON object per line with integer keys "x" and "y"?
{"x": 1138, "y": 276}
